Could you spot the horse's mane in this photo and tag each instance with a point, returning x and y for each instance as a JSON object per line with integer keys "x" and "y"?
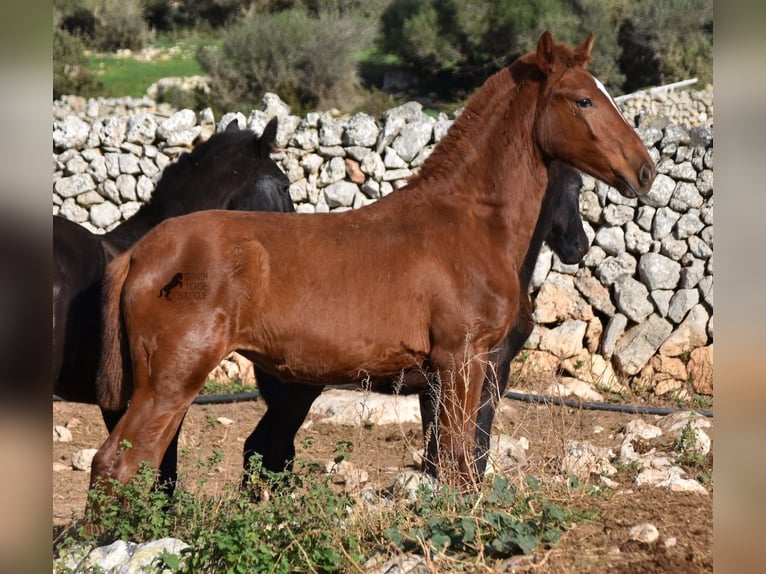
{"x": 500, "y": 86}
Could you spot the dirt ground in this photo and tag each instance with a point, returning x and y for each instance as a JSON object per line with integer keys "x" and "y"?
{"x": 684, "y": 521}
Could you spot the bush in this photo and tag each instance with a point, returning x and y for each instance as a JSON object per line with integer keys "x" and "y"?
{"x": 70, "y": 67}
{"x": 666, "y": 41}
{"x": 474, "y": 39}
{"x": 307, "y": 60}
{"x": 120, "y": 24}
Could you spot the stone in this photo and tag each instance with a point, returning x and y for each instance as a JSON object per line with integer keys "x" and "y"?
{"x": 661, "y": 192}
{"x": 70, "y": 133}
{"x": 61, "y": 434}
{"x": 332, "y": 171}
{"x": 583, "y": 459}
{"x": 700, "y": 369}
{"x": 632, "y": 299}
{"x": 361, "y": 130}
{"x": 568, "y": 386}
{"x": 594, "y": 292}
{"x": 565, "y": 340}
{"x": 141, "y": 128}
{"x": 340, "y": 194}
{"x": 611, "y": 240}
{"x": 558, "y": 300}
{"x": 640, "y": 343}
{"x": 681, "y": 302}
{"x": 614, "y": 329}
{"x": 685, "y": 197}
{"x": 664, "y": 221}
{"x": 105, "y": 214}
{"x": 82, "y": 459}
{"x": 690, "y": 334}
{"x": 646, "y": 533}
{"x": 113, "y": 131}
{"x": 506, "y": 453}
{"x": 358, "y": 408}
{"x": 412, "y": 138}
{"x": 74, "y": 185}
{"x": 687, "y": 225}
{"x": 658, "y": 272}
{"x": 617, "y": 215}
{"x": 637, "y": 240}
{"x": 613, "y": 269}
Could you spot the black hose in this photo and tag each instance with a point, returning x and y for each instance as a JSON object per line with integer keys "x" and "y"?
{"x": 526, "y": 397}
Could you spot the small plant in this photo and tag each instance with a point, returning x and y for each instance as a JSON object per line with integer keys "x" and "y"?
{"x": 226, "y": 387}
{"x": 496, "y": 523}
{"x": 686, "y": 449}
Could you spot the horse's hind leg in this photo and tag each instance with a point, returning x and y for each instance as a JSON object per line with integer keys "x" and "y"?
{"x": 287, "y": 406}
{"x": 168, "y": 476}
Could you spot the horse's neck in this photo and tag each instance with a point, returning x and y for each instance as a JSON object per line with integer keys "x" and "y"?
{"x": 490, "y": 159}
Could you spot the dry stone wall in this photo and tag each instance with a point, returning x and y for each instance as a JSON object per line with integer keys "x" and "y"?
{"x": 639, "y": 305}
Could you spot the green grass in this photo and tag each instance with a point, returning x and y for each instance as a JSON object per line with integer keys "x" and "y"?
{"x": 127, "y": 76}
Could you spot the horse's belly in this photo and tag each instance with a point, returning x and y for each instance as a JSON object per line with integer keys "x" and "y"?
{"x": 313, "y": 357}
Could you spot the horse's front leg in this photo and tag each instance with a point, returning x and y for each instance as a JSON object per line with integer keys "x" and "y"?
{"x": 459, "y": 395}
{"x": 168, "y": 477}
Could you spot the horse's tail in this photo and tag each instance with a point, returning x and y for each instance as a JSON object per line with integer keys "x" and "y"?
{"x": 114, "y": 383}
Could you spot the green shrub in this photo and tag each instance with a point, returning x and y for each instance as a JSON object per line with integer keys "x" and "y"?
{"x": 666, "y": 41}
{"x": 307, "y": 60}
{"x": 474, "y": 39}
{"x": 70, "y": 67}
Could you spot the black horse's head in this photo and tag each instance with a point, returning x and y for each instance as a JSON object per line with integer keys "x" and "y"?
{"x": 268, "y": 189}
{"x": 233, "y": 169}
{"x": 566, "y": 236}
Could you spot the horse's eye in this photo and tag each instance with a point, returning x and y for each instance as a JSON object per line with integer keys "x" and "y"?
{"x": 585, "y": 103}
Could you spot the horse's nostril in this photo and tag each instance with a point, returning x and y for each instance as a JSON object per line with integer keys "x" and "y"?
{"x": 645, "y": 174}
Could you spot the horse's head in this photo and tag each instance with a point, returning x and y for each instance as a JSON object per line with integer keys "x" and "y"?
{"x": 566, "y": 236}
{"x": 268, "y": 189}
{"x": 233, "y": 169}
{"x": 579, "y": 123}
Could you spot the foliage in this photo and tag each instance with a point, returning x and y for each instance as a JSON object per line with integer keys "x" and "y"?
{"x": 168, "y": 15}
{"x": 476, "y": 38}
{"x": 70, "y": 66}
{"x": 497, "y": 523}
{"x": 685, "y": 447}
{"x": 305, "y": 522}
{"x": 667, "y": 40}
{"x": 308, "y": 60}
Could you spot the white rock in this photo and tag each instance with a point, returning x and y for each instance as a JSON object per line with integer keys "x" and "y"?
{"x": 61, "y": 434}
{"x": 644, "y": 532}
{"x": 82, "y": 459}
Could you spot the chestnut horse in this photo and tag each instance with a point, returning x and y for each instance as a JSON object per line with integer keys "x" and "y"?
{"x": 425, "y": 280}
{"x": 231, "y": 170}
{"x": 287, "y": 405}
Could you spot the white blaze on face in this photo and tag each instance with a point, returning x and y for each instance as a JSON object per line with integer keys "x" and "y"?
{"x": 601, "y": 87}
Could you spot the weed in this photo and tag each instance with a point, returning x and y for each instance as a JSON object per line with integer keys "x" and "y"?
{"x": 685, "y": 447}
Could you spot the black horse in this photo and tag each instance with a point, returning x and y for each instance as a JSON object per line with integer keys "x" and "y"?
{"x": 231, "y": 170}
{"x": 559, "y": 223}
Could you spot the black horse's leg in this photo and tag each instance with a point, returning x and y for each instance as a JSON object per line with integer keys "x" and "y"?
{"x": 429, "y": 418}
{"x": 168, "y": 471}
{"x": 287, "y": 406}
{"x": 496, "y": 380}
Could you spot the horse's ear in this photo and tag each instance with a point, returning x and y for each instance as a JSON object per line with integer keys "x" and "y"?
{"x": 269, "y": 135}
{"x": 584, "y": 49}
{"x": 545, "y": 52}
{"x": 232, "y": 126}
